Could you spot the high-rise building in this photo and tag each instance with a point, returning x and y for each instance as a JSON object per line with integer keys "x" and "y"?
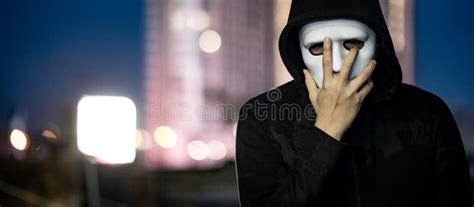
{"x": 205, "y": 58}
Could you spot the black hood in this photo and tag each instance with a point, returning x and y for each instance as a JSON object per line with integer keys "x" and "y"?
{"x": 387, "y": 76}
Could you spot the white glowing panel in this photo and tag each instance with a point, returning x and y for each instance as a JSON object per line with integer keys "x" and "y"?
{"x": 106, "y": 128}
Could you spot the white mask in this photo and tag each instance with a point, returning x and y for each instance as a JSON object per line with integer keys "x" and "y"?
{"x": 342, "y": 34}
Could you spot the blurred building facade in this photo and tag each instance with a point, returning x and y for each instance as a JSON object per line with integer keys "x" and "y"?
{"x": 204, "y": 59}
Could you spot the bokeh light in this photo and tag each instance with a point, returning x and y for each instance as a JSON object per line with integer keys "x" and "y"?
{"x": 146, "y": 139}
{"x": 49, "y": 134}
{"x": 19, "y": 139}
{"x": 199, "y": 20}
{"x": 165, "y": 137}
{"x": 138, "y": 139}
{"x": 197, "y": 150}
{"x": 217, "y": 150}
{"x": 196, "y": 19}
{"x": 210, "y": 41}
{"x": 234, "y": 129}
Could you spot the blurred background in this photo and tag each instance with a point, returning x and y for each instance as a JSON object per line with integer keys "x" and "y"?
{"x": 187, "y": 65}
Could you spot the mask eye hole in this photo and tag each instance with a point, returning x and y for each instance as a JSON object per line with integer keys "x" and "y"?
{"x": 353, "y": 43}
{"x": 316, "y": 49}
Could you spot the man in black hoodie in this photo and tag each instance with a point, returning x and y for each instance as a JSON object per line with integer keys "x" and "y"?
{"x": 402, "y": 146}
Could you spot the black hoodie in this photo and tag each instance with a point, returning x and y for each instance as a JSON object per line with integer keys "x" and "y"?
{"x": 403, "y": 149}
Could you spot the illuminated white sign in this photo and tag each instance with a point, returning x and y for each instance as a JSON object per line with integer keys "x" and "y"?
{"x": 106, "y": 128}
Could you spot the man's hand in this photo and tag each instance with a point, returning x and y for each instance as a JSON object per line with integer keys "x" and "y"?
{"x": 339, "y": 99}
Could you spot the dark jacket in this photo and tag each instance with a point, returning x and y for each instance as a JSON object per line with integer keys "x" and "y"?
{"x": 403, "y": 148}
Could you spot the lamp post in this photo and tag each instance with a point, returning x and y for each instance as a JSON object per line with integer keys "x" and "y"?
{"x": 106, "y": 131}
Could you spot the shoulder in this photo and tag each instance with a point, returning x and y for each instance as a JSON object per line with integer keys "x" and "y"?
{"x": 285, "y": 93}
{"x": 421, "y": 95}
{"x": 414, "y": 99}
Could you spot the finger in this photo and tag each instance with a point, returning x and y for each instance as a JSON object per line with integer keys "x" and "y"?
{"x": 310, "y": 84}
{"x": 366, "y": 89}
{"x": 347, "y": 64}
{"x": 362, "y": 78}
{"x": 327, "y": 59}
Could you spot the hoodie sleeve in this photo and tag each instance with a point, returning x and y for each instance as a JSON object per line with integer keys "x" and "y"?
{"x": 452, "y": 172}
{"x": 269, "y": 175}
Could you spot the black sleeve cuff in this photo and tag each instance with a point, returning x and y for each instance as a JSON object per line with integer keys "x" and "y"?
{"x": 310, "y": 140}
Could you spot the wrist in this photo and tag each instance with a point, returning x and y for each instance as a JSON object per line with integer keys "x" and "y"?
{"x": 331, "y": 130}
